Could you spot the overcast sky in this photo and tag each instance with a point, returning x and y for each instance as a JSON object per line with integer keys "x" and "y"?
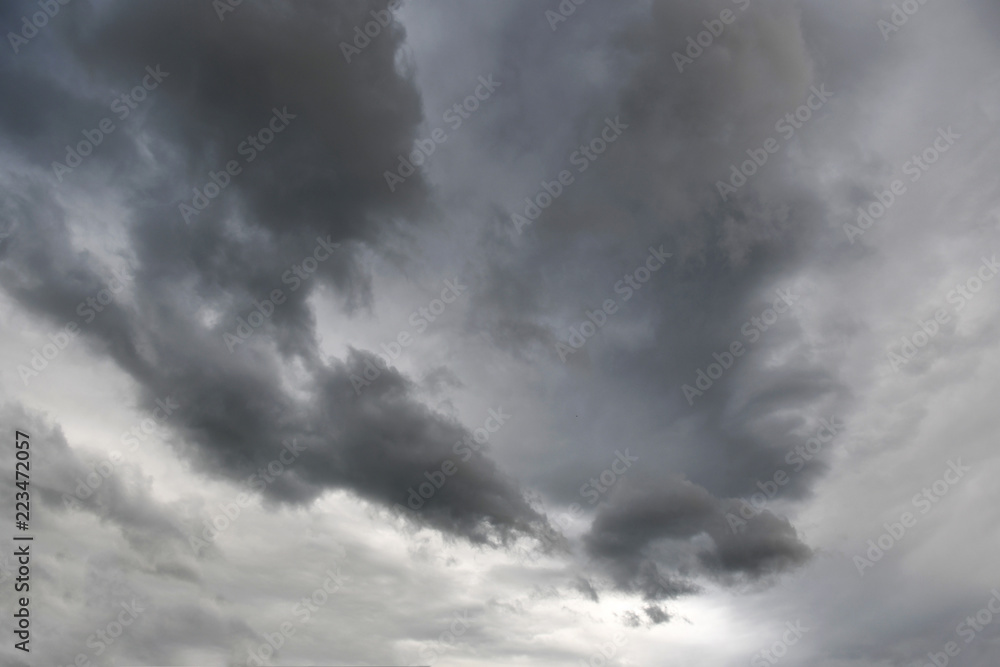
{"x": 488, "y": 333}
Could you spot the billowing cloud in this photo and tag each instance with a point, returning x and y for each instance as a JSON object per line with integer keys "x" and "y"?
{"x": 642, "y": 346}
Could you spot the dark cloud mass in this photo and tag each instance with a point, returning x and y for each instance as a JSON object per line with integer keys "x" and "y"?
{"x": 668, "y": 513}
{"x": 587, "y": 327}
{"x": 322, "y": 179}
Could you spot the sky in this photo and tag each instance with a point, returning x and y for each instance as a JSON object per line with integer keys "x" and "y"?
{"x": 531, "y": 332}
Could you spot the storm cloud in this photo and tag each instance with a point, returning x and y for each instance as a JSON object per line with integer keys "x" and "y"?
{"x": 587, "y": 329}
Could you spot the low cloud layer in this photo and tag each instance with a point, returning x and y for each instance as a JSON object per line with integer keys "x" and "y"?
{"x": 644, "y": 320}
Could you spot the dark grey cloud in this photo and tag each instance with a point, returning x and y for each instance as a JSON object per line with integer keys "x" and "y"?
{"x": 656, "y": 614}
{"x": 651, "y": 524}
{"x": 668, "y": 539}
{"x": 586, "y": 587}
{"x": 657, "y": 186}
{"x": 319, "y": 182}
